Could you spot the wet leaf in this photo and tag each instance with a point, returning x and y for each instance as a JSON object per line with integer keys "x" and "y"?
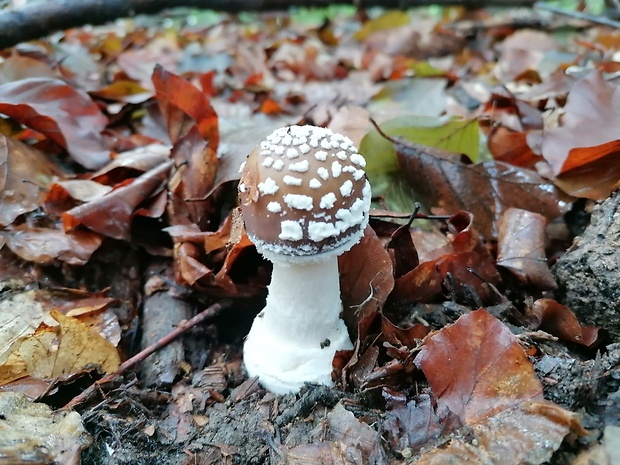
{"x": 33, "y": 433}
{"x": 44, "y": 246}
{"x": 413, "y": 424}
{"x": 68, "y": 348}
{"x": 61, "y": 112}
{"x": 521, "y": 244}
{"x": 111, "y": 214}
{"x": 590, "y": 119}
{"x": 366, "y": 277}
{"x": 476, "y": 368}
{"x": 24, "y": 172}
{"x": 446, "y": 184}
{"x": 559, "y": 320}
{"x": 184, "y": 106}
{"x": 529, "y": 433}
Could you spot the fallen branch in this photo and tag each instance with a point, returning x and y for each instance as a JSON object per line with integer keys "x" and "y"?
{"x": 207, "y": 314}
{"x": 40, "y": 19}
{"x": 577, "y": 15}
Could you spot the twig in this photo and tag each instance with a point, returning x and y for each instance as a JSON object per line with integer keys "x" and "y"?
{"x": 577, "y": 15}
{"x": 203, "y": 316}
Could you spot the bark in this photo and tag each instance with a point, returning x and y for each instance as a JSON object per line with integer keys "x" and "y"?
{"x": 37, "y": 20}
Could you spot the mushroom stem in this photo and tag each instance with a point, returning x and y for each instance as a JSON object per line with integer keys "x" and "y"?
{"x": 298, "y": 332}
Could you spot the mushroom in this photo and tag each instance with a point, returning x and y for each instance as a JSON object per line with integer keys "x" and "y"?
{"x": 305, "y": 200}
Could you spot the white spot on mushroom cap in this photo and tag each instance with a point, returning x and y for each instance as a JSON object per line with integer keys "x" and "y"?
{"x": 314, "y": 183}
{"x": 278, "y": 165}
{"x": 299, "y": 140}
{"x": 291, "y": 231}
{"x": 279, "y": 150}
{"x": 314, "y": 143}
{"x": 267, "y": 162}
{"x": 274, "y": 207}
{"x": 328, "y": 200}
{"x": 347, "y": 188}
{"x": 287, "y": 140}
{"x": 242, "y": 167}
{"x": 321, "y": 155}
{"x": 299, "y": 201}
{"x": 291, "y": 180}
{"x": 268, "y": 186}
{"x": 323, "y": 173}
{"x": 318, "y": 231}
{"x": 304, "y": 148}
{"x": 342, "y": 155}
{"x": 336, "y": 169}
{"x": 292, "y": 153}
{"x": 242, "y": 188}
{"x": 265, "y": 153}
{"x": 300, "y": 166}
{"x": 264, "y": 145}
{"x": 325, "y": 144}
{"x": 358, "y": 160}
{"x": 352, "y": 216}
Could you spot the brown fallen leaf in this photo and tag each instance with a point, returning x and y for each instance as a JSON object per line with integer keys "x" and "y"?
{"x": 591, "y": 172}
{"x": 521, "y": 248}
{"x": 61, "y": 112}
{"x": 184, "y": 106}
{"x": 529, "y": 433}
{"x": 66, "y": 349}
{"x": 413, "y": 424}
{"x": 45, "y": 246}
{"x": 366, "y": 277}
{"x": 111, "y": 214}
{"x": 476, "y": 368}
{"x": 445, "y": 183}
{"x": 590, "y": 119}
{"x": 193, "y": 178}
{"x": 464, "y": 269}
{"x": 559, "y": 320}
{"x": 24, "y": 172}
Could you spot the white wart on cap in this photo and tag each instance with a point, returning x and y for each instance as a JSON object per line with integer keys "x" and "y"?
{"x": 304, "y": 192}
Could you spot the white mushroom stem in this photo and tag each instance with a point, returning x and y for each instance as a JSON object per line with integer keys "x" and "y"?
{"x": 294, "y": 338}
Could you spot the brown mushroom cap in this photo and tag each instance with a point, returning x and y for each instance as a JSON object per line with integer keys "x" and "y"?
{"x": 304, "y": 192}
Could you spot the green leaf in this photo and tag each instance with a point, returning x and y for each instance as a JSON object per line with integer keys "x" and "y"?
{"x": 460, "y": 136}
{"x": 389, "y": 20}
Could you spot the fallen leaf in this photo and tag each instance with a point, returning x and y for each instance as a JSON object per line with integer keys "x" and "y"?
{"x": 445, "y": 183}
{"x": 44, "y": 246}
{"x": 184, "y": 106}
{"x": 559, "y": 320}
{"x": 591, "y": 116}
{"x": 111, "y": 214}
{"x": 591, "y": 172}
{"x": 413, "y": 424}
{"x": 366, "y": 277}
{"x": 33, "y": 433}
{"x": 61, "y": 112}
{"x": 24, "y": 172}
{"x": 521, "y": 248}
{"x": 529, "y": 433}
{"x": 476, "y": 368}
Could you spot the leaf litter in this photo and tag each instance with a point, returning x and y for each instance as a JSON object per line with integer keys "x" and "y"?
{"x": 463, "y": 351}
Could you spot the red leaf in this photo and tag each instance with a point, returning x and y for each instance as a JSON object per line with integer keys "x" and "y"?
{"x": 65, "y": 115}
{"x": 111, "y": 214}
{"x": 184, "y": 106}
